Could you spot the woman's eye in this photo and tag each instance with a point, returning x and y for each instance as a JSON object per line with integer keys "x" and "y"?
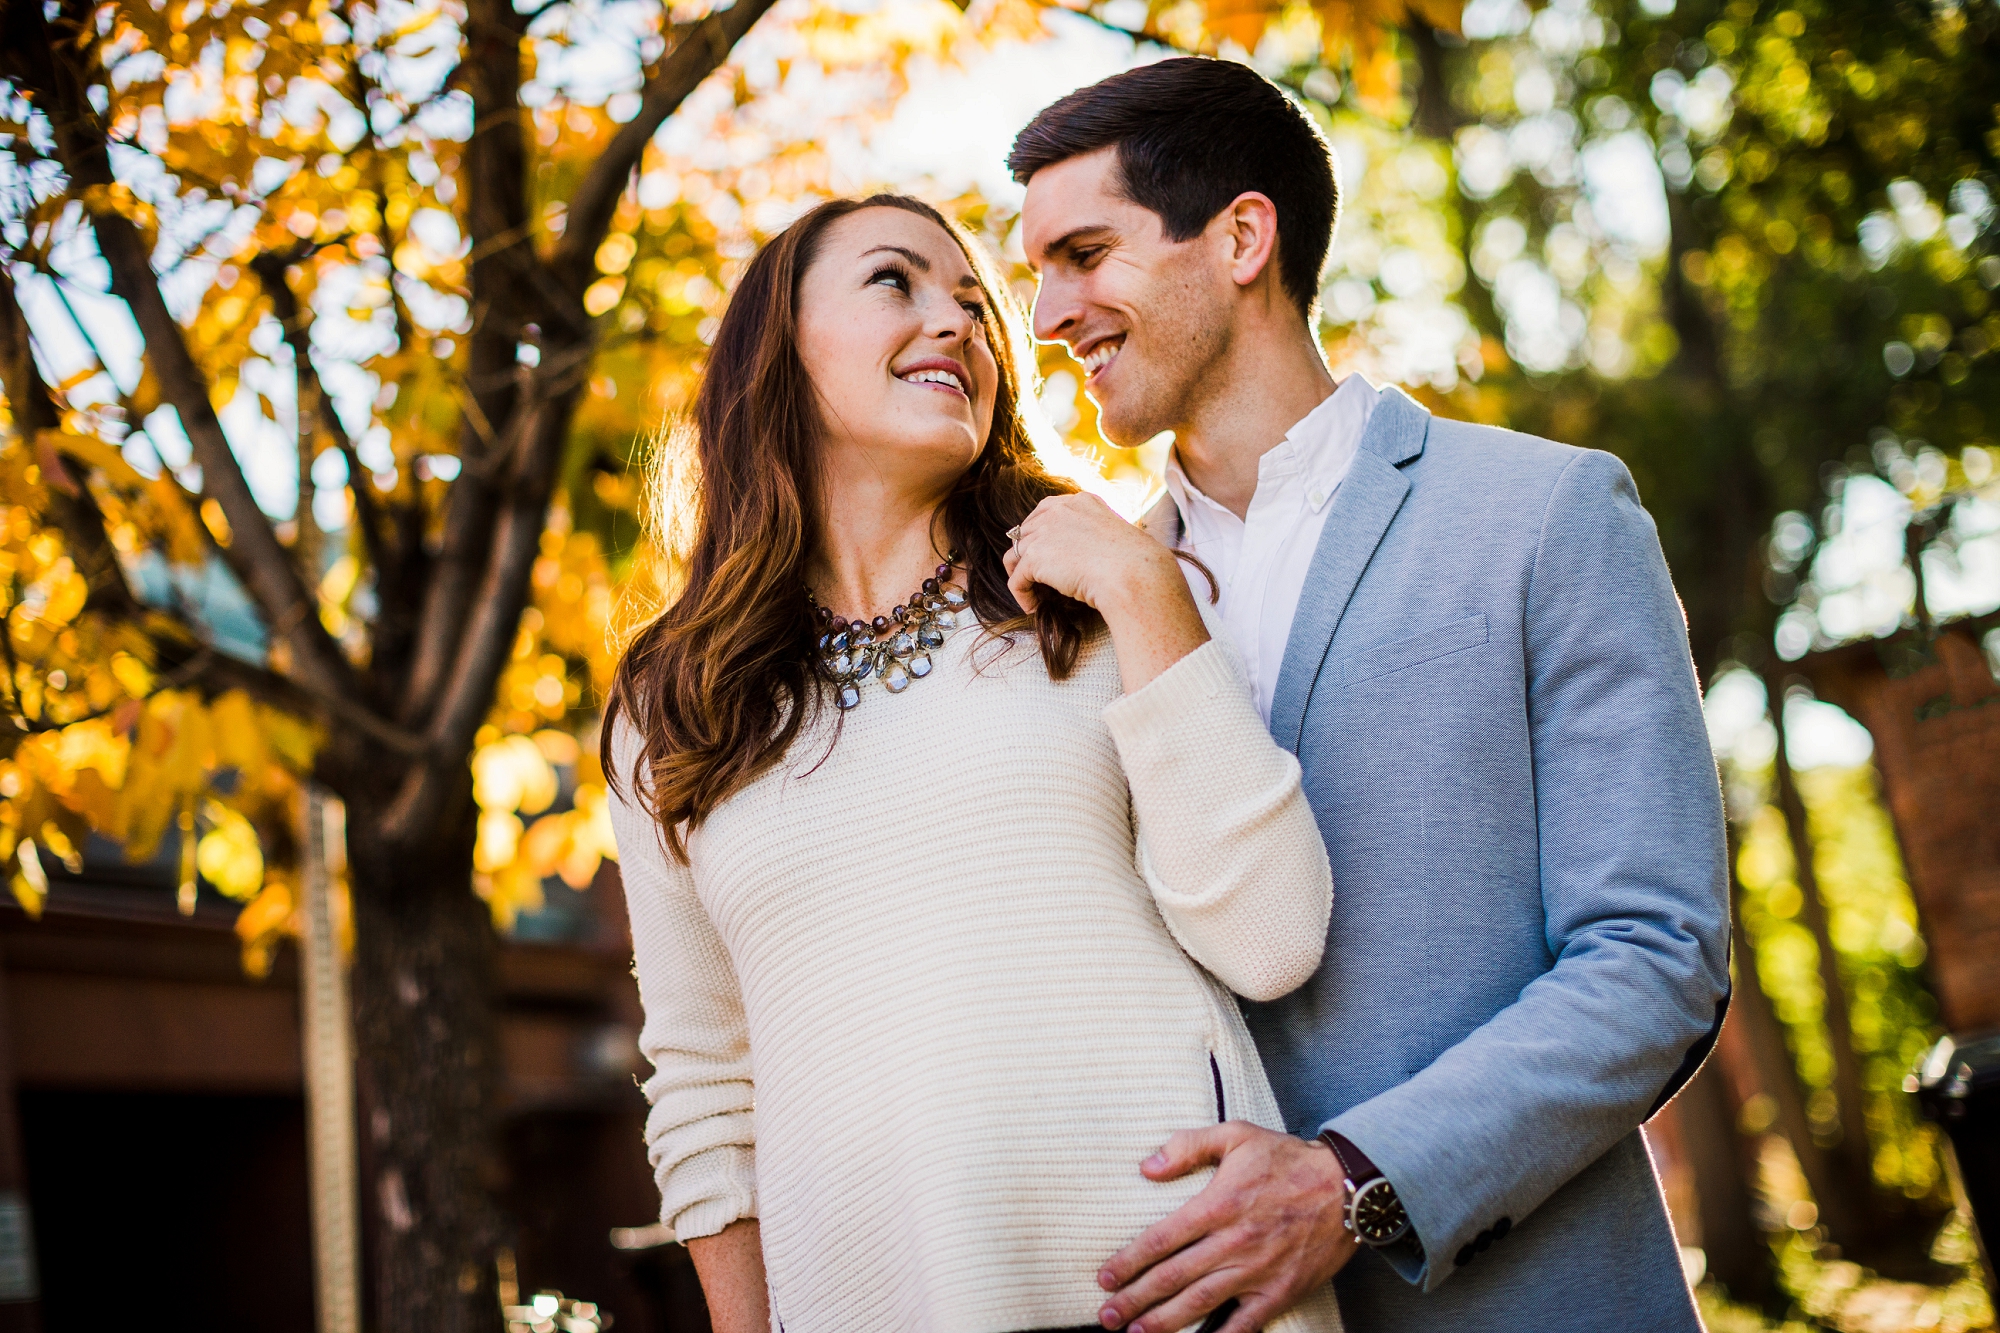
{"x": 976, "y": 310}
{"x": 891, "y": 277}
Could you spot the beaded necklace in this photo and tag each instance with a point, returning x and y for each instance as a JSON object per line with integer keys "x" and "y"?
{"x": 897, "y": 647}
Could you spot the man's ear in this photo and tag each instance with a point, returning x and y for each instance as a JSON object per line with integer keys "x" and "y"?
{"x": 1248, "y": 235}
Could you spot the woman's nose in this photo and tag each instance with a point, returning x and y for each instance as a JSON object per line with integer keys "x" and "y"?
{"x": 952, "y": 322}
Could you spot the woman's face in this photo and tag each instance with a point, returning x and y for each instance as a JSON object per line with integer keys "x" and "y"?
{"x": 891, "y": 330}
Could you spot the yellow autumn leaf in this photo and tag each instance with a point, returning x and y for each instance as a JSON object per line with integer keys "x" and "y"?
{"x": 264, "y": 921}
{"x": 133, "y": 675}
{"x": 93, "y": 453}
{"x": 1240, "y": 21}
{"x": 498, "y": 842}
{"x": 593, "y": 822}
{"x": 558, "y": 747}
{"x": 31, "y": 885}
{"x": 512, "y": 774}
{"x": 62, "y": 846}
{"x": 229, "y": 855}
{"x": 544, "y": 845}
{"x": 292, "y": 741}
{"x": 238, "y": 737}
{"x": 64, "y": 592}
{"x": 93, "y": 744}
{"x": 508, "y": 893}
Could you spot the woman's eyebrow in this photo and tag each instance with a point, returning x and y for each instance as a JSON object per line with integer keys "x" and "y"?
{"x": 917, "y": 261}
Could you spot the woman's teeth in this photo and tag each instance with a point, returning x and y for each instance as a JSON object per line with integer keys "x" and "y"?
{"x": 1100, "y": 356}
{"x": 934, "y": 377}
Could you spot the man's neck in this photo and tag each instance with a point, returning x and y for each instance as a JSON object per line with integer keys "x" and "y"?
{"x": 1259, "y": 391}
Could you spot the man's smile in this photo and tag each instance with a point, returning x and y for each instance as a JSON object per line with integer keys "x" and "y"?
{"x": 1099, "y": 354}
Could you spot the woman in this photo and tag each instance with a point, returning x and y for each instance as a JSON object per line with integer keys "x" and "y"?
{"x": 945, "y": 829}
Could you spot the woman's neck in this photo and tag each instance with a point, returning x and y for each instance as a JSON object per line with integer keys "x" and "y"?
{"x": 873, "y": 552}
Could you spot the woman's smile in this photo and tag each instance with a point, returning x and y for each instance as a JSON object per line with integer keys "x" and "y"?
{"x": 940, "y": 374}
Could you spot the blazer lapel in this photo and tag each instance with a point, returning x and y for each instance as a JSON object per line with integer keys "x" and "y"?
{"x": 1362, "y": 510}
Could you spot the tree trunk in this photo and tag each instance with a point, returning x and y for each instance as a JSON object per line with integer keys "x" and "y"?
{"x": 1842, "y": 1212}
{"x": 1849, "y": 1154}
{"x": 427, "y": 1048}
{"x": 1724, "y": 1163}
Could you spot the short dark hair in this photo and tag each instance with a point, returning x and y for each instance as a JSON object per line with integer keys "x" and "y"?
{"x": 1192, "y": 134}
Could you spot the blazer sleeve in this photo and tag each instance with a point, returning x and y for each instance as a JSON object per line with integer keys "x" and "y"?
{"x": 1634, "y": 896}
{"x": 699, "y": 1133}
{"x": 1226, "y": 840}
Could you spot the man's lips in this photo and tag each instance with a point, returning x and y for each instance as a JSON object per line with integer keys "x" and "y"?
{"x": 1099, "y": 354}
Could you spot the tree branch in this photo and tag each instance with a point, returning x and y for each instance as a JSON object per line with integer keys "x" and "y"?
{"x": 595, "y": 201}
{"x": 270, "y": 270}
{"x": 54, "y": 69}
{"x": 502, "y": 274}
{"x": 198, "y": 664}
{"x": 473, "y": 605}
{"x": 496, "y": 613}
{"x": 70, "y": 502}
{"x": 1434, "y": 116}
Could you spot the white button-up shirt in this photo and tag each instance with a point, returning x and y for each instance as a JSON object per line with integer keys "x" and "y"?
{"x": 1261, "y": 559}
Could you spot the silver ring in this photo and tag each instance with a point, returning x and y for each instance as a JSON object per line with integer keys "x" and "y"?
{"x": 1014, "y": 533}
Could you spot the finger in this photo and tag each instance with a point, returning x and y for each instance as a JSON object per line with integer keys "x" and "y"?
{"x": 1252, "y": 1314}
{"x": 1021, "y": 582}
{"x": 1179, "y": 1229}
{"x": 1191, "y": 1305}
{"x": 1165, "y": 1280}
{"x": 1009, "y": 559}
{"x": 1188, "y": 1150}
{"x": 1048, "y": 510}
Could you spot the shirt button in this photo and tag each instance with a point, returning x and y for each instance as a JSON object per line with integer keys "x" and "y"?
{"x": 1318, "y": 498}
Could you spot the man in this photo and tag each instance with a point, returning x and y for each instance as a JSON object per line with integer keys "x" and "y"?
{"x": 1470, "y": 640}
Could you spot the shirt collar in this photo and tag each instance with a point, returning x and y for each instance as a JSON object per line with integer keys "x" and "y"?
{"x": 1313, "y": 457}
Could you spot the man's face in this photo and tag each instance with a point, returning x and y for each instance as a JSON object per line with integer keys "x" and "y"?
{"x": 1145, "y": 316}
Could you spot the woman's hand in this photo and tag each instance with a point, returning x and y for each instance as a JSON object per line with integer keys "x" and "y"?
{"x": 1076, "y": 545}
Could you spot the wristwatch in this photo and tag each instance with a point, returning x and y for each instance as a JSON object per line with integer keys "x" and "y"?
{"x": 1374, "y": 1213}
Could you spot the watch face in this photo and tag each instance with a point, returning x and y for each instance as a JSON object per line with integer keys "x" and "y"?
{"x": 1378, "y": 1214}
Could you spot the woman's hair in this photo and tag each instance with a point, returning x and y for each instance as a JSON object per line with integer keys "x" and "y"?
{"x": 719, "y": 685}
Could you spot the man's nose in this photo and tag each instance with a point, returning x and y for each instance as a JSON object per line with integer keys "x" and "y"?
{"x": 1057, "y": 312}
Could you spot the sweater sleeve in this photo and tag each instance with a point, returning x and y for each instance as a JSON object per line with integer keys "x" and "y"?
{"x": 699, "y": 1133}
{"x": 1226, "y": 840}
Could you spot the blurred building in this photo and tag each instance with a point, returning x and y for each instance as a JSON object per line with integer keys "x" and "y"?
{"x": 162, "y": 1128}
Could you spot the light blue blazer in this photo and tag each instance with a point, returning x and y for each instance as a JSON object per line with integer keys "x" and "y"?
{"x": 1489, "y": 690}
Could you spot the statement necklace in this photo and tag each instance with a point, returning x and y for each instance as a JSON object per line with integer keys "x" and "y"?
{"x": 897, "y": 647}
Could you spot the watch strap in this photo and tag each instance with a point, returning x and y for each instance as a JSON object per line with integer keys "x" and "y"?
{"x": 1360, "y": 1173}
{"x": 1352, "y": 1160}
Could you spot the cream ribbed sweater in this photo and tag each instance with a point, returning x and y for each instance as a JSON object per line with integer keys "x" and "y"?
{"x": 917, "y": 1003}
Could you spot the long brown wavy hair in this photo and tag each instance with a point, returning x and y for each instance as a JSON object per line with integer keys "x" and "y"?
{"x": 720, "y": 684}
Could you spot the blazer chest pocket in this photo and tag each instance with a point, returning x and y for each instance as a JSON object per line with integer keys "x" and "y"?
{"x": 1401, "y": 654}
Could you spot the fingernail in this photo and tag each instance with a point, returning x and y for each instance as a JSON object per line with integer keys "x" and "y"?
{"x": 1155, "y": 1162}
{"x": 1108, "y": 1317}
{"x": 1106, "y": 1281}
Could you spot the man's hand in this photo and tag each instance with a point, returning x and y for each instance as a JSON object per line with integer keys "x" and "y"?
{"x": 1266, "y": 1230}
{"x": 1078, "y": 546}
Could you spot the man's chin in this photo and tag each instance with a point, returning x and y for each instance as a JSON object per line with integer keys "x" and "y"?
{"x": 1120, "y": 429}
